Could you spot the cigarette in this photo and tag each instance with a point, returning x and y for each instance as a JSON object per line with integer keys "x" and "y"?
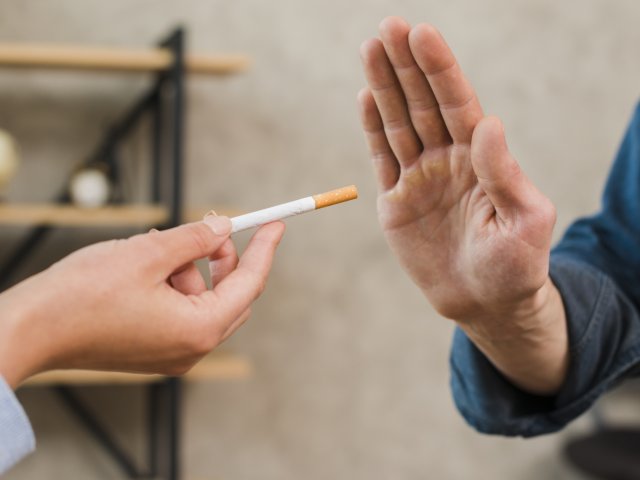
{"x": 289, "y": 209}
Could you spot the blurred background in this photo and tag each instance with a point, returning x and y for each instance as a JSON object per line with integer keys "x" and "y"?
{"x": 350, "y": 363}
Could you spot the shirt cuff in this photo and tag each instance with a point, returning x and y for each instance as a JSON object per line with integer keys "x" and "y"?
{"x": 16, "y": 436}
{"x": 604, "y": 344}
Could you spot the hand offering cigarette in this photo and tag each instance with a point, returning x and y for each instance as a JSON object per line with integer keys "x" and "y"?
{"x": 289, "y": 209}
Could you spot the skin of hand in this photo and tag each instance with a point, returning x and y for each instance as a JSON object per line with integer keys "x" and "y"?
{"x": 467, "y": 225}
{"x": 135, "y": 305}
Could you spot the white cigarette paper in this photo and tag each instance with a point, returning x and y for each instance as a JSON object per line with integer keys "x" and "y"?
{"x": 289, "y": 209}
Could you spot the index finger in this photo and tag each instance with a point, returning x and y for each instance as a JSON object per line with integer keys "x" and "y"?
{"x": 456, "y": 98}
{"x": 164, "y": 252}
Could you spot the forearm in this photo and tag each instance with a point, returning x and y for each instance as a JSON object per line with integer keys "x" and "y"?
{"x": 529, "y": 344}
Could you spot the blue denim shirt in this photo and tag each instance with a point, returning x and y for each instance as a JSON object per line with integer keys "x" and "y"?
{"x": 596, "y": 268}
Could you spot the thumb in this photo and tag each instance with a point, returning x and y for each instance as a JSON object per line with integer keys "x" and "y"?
{"x": 240, "y": 288}
{"x": 498, "y": 173}
{"x": 186, "y": 243}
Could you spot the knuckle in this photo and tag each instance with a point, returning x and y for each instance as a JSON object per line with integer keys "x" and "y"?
{"x": 148, "y": 248}
{"x": 200, "y": 236}
{"x": 200, "y": 344}
{"x": 549, "y": 211}
{"x": 260, "y": 284}
{"x": 369, "y": 47}
{"x": 363, "y": 95}
{"x": 110, "y": 248}
{"x": 451, "y": 310}
{"x": 202, "y": 340}
{"x": 140, "y": 241}
{"x": 545, "y": 214}
{"x": 256, "y": 283}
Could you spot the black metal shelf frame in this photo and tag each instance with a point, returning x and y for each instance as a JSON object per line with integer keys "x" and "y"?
{"x": 165, "y": 102}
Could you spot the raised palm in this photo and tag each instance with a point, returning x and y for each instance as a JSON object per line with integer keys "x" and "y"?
{"x": 471, "y": 230}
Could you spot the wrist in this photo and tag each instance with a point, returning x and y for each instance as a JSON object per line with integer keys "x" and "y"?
{"x": 20, "y": 357}
{"x": 513, "y": 320}
{"x": 527, "y": 341}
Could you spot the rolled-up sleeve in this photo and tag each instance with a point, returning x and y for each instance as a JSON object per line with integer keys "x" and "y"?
{"x": 596, "y": 268}
{"x": 16, "y": 436}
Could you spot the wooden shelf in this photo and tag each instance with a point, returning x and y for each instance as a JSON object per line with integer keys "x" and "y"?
{"x": 216, "y": 366}
{"x": 71, "y": 216}
{"x": 114, "y": 59}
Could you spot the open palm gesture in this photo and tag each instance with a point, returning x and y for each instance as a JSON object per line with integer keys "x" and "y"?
{"x": 471, "y": 230}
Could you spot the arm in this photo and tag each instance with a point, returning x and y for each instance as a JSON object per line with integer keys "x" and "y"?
{"x": 596, "y": 267}
{"x": 467, "y": 225}
{"x": 135, "y": 305}
{"x": 534, "y": 347}
{"x": 604, "y": 348}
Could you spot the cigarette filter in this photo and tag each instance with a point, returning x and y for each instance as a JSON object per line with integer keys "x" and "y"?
{"x": 296, "y": 207}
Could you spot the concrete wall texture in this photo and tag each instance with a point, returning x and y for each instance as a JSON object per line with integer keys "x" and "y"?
{"x": 351, "y": 375}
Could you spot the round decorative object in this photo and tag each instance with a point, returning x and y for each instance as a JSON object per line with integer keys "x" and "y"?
{"x": 8, "y": 158}
{"x": 90, "y": 188}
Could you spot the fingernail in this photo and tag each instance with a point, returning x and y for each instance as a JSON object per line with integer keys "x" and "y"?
{"x": 154, "y": 230}
{"x": 211, "y": 213}
{"x": 219, "y": 225}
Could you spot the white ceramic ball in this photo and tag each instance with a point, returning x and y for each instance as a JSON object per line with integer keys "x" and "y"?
{"x": 8, "y": 158}
{"x": 90, "y": 188}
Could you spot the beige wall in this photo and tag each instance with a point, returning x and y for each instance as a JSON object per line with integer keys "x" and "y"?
{"x": 351, "y": 363}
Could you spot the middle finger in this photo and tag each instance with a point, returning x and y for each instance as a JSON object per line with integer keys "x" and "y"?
{"x": 391, "y": 102}
{"x": 421, "y": 101}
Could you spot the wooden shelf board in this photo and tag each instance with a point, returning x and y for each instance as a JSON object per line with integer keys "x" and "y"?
{"x": 125, "y": 215}
{"x": 115, "y": 59}
{"x": 69, "y": 215}
{"x": 216, "y": 366}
